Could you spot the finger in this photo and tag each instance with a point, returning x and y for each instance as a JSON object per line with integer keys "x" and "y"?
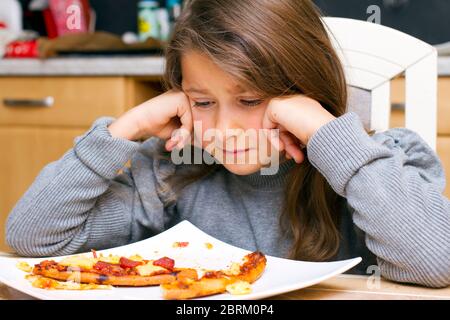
{"x": 171, "y": 143}
{"x": 274, "y": 138}
{"x": 169, "y": 131}
{"x": 292, "y": 146}
{"x": 267, "y": 123}
{"x": 185, "y": 114}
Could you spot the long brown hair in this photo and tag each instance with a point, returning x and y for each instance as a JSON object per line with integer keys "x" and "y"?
{"x": 274, "y": 47}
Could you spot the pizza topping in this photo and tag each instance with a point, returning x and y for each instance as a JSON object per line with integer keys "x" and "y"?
{"x": 149, "y": 269}
{"x": 51, "y": 284}
{"x": 127, "y": 263}
{"x": 78, "y": 261}
{"x": 109, "y": 269}
{"x": 187, "y": 275}
{"x": 234, "y": 269}
{"x": 47, "y": 263}
{"x": 94, "y": 253}
{"x": 42, "y": 283}
{"x": 50, "y": 264}
{"x": 110, "y": 259}
{"x": 136, "y": 257}
{"x": 213, "y": 274}
{"x": 165, "y": 263}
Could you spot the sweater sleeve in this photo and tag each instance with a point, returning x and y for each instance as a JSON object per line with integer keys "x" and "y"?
{"x": 80, "y": 201}
{"x": 393, "y": 182}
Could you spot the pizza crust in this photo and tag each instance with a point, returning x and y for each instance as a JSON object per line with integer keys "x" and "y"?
{"x": 91, "y": 277}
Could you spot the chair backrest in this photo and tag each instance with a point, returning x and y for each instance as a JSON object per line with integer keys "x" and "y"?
{"x": 372, "y": 55}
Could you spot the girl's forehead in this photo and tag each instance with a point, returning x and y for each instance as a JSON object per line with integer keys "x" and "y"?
{"x": 200, "y": 74}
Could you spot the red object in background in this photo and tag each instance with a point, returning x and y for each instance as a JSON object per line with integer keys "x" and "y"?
{"x": 50, "y": 25}
{"x": 87, "y": 12}
{"x": 67, "y": 16}
{"x": 22, "y": 49}
{"x": 2, "y": 25}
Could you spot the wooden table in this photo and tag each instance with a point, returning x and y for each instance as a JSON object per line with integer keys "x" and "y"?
{"x": 342, "y": 287}
{"x": 354, "y": 287}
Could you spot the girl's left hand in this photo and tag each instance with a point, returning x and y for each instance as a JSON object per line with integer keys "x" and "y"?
{"x": 297, "y": 117}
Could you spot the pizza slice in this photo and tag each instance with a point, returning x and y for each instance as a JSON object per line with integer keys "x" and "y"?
{"x": 112, "y": 270}
{"x": 236, "y": 280}
{"x": 100, "y": 272}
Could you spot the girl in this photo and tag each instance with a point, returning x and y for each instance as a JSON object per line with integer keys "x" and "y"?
{"x": 235, "y": 66}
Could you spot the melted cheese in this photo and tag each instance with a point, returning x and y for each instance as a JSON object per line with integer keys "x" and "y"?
{"x": 110, "y": 259}
{"x": 81, "y": 261}
{"x": 239, "y": 287}
{"x": 149, "y": 269}
{"x": 78, "y": 262}
{"x": 234, "y": 269}
{"x": 136, "y": 257}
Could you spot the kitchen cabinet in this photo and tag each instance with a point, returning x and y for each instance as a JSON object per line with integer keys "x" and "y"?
{"x": 32, "y": 136}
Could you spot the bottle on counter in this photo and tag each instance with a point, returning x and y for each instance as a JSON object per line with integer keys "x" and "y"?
{"x": 164, "y": 24}
{"x": 148, "y": 25}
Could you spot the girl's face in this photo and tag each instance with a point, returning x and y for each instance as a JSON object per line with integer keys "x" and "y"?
{"x": 227, "y": 117}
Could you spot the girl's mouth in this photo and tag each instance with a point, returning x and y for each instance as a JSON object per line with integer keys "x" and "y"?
{"x": 237, "y": 151}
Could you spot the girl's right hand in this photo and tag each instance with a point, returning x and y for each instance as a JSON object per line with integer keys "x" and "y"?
{"x": 167, "y": 116}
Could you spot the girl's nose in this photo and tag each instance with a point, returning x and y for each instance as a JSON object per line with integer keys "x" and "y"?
{"x": 228, "y": 129}
{"x": 226, "y": 120}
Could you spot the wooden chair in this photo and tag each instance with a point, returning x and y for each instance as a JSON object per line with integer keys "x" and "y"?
{"x": 372, "y": 55}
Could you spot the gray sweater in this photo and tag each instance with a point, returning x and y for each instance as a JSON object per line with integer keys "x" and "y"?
{"x": 394, "y": 214}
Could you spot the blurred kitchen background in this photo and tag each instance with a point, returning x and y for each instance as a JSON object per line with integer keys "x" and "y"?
{"x": 64, "y": 63}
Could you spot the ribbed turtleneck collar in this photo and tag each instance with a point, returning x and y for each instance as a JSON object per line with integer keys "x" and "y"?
{"x": 259, "y": 181}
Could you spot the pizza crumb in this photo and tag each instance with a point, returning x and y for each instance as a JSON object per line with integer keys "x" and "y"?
{"x": 239, "y": 288}
{"x": 208, "y": 245}
{"x": 24, "y": 266}
{"x": 178, "y": 244}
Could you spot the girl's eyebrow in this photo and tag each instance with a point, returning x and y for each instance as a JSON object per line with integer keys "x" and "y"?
{"x": 237, "y": 90}
{"x": 196, "y": 90}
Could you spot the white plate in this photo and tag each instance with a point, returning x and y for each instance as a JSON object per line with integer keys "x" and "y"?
{"x": 280, "y": 276}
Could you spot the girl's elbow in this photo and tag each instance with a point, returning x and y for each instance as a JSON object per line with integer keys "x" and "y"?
{"x": 27, "y": 242}
{"x": 435, "y": 269}
{"x": 435, "y": 279}
{"x": 427, "y": 274}
{"x": 438, "y": 277}
{"x": 22, "y": 244}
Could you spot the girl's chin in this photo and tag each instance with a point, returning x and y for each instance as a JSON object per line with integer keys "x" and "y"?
{"x": 243, "y": 169}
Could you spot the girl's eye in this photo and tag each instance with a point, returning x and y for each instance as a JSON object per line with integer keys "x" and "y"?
{"x": 252, "y": 103}
{"x": 203, "y": 104}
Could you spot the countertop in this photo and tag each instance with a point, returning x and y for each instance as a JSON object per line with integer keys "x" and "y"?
{"x": 110, "y": 66}
{"x": 98, "y": 66}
